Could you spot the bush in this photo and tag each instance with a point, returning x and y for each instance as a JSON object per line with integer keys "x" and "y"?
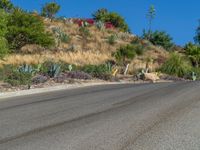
{"x": 115, "y": 19}
{"x": 124, "y": 54}
{"x": 159, "y": 38}
{"x": 16, "y": 78}
{"x": 25, "y": 28}
{"x": 176, "y": 65}
{"x": 85, "y": 32}
{"x": 50, "y": 69}
{"x": 138, "y": 47}
{"x": 61, "y": 36}
{"x": 97, "y": 71}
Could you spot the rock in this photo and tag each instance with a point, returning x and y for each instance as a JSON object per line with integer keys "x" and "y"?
{"x": 151, "y": 76}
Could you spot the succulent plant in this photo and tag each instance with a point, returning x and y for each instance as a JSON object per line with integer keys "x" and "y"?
{"x": 100, "y": 25}
{"x": 54, "y": 70}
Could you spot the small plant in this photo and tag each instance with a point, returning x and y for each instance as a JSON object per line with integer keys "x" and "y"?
{"x": 85, "y": 32}
{"x": 51, "y": 69}
{"x": 100, "y": 25}
{"x": 112, "y": 39}
{"x": 61, "y": 36}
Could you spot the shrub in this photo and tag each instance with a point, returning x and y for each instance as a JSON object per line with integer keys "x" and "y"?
{"x": 97, "y": 71}
{"x": 50, "y": 9}
{"x": 25, "y": 28}
{"x": 111, "y": 17}
{"x": 112, "y": 39}
{"x": 16, "y": 78}
{"x": 176, "y": 65}
{"x": 193, "y": 52}
{"x": 50, "y": 69}
{"x": 85, "y": 32}
{"x": 159, "y": 38}
{"x": 124, "y": 54}
{"x": 61, "y": 36}
{"x": 138, "y": 47}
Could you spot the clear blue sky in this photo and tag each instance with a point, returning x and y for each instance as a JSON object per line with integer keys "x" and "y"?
{"x": 177, "y": 17}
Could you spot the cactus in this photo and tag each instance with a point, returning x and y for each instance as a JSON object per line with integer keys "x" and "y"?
{"x": 26, "y": 69}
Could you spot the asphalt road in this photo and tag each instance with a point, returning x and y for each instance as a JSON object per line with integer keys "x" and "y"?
{"x": 162, "y": 116}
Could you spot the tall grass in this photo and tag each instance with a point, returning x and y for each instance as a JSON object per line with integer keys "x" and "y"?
{"x": 176, "y": 65}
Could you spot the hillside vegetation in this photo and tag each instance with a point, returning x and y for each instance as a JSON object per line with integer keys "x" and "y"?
{"x": 41, "y": 46}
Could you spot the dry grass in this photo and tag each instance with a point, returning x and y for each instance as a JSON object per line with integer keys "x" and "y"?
{"x": 77, "y": 58}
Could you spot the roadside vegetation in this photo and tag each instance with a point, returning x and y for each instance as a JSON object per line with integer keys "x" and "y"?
{"x": 38, "y": 47}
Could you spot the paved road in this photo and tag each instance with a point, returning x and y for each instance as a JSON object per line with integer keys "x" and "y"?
{"x": 163, "y": 116}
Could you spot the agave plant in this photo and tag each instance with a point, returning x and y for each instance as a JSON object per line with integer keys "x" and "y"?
{"x": 54, "y": 70}
{"x": 100, "y": 25}
{"x": 26, "y": 69}
{"x": 61, "y": 36}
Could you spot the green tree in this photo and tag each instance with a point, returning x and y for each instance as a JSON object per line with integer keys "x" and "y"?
{"x": 50, "y": 9}
{"x": 197, "y": 37}
{"x": 193, "y": 52}
{"x": 3, "y": 30}
{"x": 159, "y": 38}
{"x": 25, "y": 28}
{"x": 6, "y": 5}
{"x": 105, "y": 16}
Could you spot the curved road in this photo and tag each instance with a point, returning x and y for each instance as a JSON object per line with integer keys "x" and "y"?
{"x": 162, "y": 116}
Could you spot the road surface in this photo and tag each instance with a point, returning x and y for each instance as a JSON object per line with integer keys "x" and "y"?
{"x": 161, "y": 116}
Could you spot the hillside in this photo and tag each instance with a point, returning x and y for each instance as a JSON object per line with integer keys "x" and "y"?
{"x": 80, "y": 49}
